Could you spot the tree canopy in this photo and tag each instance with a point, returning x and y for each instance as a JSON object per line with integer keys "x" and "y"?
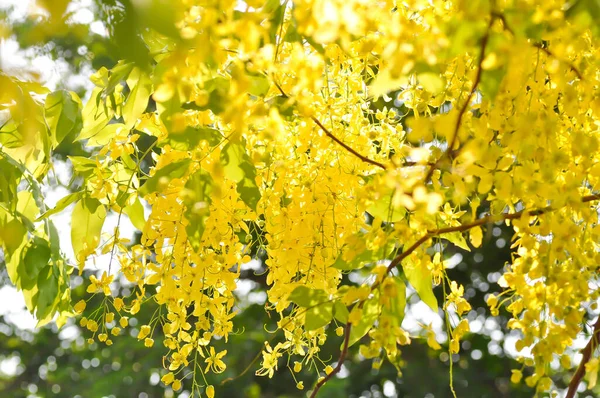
{"x": 342, "y": 157}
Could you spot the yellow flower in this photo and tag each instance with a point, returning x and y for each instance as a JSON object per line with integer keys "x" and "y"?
{"x": 297, "y": 367}
{"x": 80, "y": 306}
{"x": 102, "y": 285}
{"x": 168, "y": 378}
{"x": 516, "y": 376}
{"x": 214, "y": 362}
{"x": 210, "y": 391}
{"x": 176, "y": 386}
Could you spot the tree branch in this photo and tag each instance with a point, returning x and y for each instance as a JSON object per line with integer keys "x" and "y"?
{"x": 334, "y": 138}
{"x": 346, "y": 147}
{"x": 460, "y": 228}
{"x": 587, "y": 354}
{"x": 551, "y": 54}
{"x": 463, "y": 109}
{"x": 484, "y": 220}
{"x": 338, "y": 367}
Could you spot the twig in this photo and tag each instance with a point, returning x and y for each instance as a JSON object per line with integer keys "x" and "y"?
{"x": 338, "y": 367}
{"x": 551, "y": 54}
{"x": 463, "y": 109}
{"x": 431, "y": 233}
{"x": 334, "y": 138}
{"x": 587, "y": 354}
{"x": 484, "y": 220}
{"x": 346, "y": 147}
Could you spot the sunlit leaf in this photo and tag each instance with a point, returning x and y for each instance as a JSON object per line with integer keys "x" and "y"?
{"x": 86, "y": 224}
{"x": 419, "y": 276}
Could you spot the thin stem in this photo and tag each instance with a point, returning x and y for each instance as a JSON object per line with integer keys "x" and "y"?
{"x": 484, "y": 220}
{"x": 463, "y": 109}
{"x": 334, "y": 138}
{"x": 551, "y": 54}
{"x": 587, "y": 354}
{"x": 338, "y": 367}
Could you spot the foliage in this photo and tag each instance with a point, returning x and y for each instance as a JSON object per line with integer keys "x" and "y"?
{"x": 257, "y": 132}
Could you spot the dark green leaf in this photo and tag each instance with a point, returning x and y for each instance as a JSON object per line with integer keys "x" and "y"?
{"x": 36, "y": 257}
{"x": 63, "y": 114}
{"x": 191, "y": 137}
{"x": 47, "y": 296}
{"x": 164, "y": 175}
{"x": 9, "y": 180}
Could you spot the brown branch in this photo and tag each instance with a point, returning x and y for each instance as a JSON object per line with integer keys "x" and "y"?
{"x": 338, "y": 367}
{"x": 587, "y": 354}
{"x": 551, "y": 54}
{"x": 463, "y": 109}
{"x": 346, "y": 147}
{"x": 460, "y": 228}
{"x": 484, "y": 220}
{"x": 334, "y": 138}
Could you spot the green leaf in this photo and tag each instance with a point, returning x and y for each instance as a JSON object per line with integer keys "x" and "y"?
{"x": 10, "y": 135}
{"x": 370, "y": 313}
{"x": 284, "y": 106}
{"x": 12, "y": 235}
{"x": 259, "y": 85}
{"x": 307, "y": 297}
{"x": 61, "y": 205}
{"x": 105, "y": 134}
{"x": 217, "y": 89}
{"x": 135, "y": 211}
{"x": 491, "y": 81}
{"x": 317, "y": 46}
{"x": 63, "y": 114}
{"x": 36, "y": 257}
{"x": 318, "y": 316}
{"x": 340, "y": 311}
{"x": 419, "y": 277}
{"x": 191, "y": 137}
{"x": 83, "y": 165}
{"x": 397, "y": 305}
{"x": 457, "y": 239}
{"x": 164, "y": 175}
{"x": 585, "y": 13}
{"x": 432, "y": 82}
{"x": 364, "y": 258}
{"x": 94, "y": 117}
{"x": 141, "y": 87}
{"x": 47, "y": 296}
{"x": 247, "y": 187}
{"x": 86, "y": 225}
{"x": 238, "y": 167}
{"x": 197, "y": 199}
{"x": 9, "y": 180}
{"x": 116, "y": 76}
{"x": 383, "y": 209}
{"x": 232, "y": 155}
